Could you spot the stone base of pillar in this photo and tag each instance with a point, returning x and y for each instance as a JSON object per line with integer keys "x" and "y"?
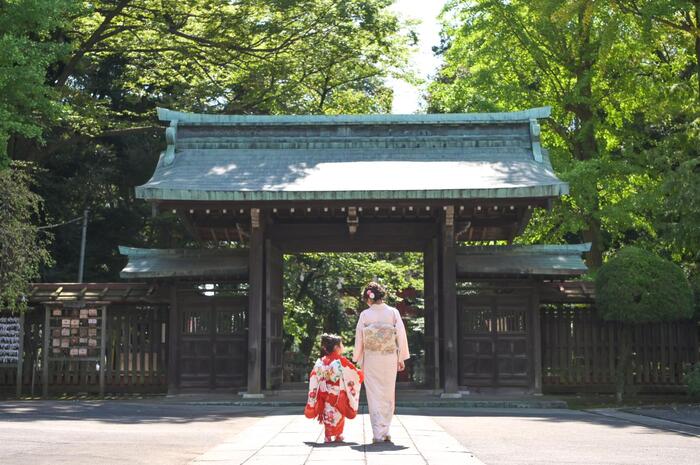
{"x": 451, "y": 395}
{"x": 247, "y": 395}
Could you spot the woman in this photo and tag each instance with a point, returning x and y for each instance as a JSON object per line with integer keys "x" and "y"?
{"x": 381, "y": 347}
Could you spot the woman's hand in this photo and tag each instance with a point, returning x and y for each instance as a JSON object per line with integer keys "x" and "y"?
{"x": 402, "y": 365}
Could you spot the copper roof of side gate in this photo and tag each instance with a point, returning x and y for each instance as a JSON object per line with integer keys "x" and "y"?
{"x": 352, "y": 157}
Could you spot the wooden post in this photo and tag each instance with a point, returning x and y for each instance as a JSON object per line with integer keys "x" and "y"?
{"x": 173, "y": 335}
{"x": 103, "y": 350}
{"x": 20, "y": 359}
{"x": 448, "y": 303}
{"x": 45, "y": 352}
{"x": 432, "y": 319}
{"x": 256, "y": 288}
{"x": 536, "y": 341}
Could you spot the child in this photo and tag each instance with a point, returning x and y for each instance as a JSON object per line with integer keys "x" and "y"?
{"x": 334, "y": 388}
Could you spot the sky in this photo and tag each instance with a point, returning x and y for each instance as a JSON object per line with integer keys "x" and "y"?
{"x": 408, "y": 98}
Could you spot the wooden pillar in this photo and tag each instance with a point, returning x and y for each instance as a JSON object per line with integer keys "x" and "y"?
{"x": 45, "y": 352}
{"x": 103, "y": 350}
{"x": 20, "y": 359}
{"x": 256, "y": 288}
{"x": 448, "y": 303}
{"x": 536, "y": 341}
{"x": 432, "y": 318}
{"x": 173, "y": 339}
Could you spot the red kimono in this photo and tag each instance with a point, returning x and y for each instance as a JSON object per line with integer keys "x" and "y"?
{"x": 334, "y": 393}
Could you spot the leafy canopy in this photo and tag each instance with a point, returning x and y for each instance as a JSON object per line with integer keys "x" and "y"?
{"x": 27, "y": 103}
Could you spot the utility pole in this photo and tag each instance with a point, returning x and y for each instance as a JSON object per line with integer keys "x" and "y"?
{"x": 83, "y": 239}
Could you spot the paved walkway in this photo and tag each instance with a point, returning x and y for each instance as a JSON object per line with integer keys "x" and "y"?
{"x": 295, "y": 440}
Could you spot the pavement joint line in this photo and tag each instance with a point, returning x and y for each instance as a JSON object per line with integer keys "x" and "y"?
{"x": 410, "y": 438}
{"x": 629, "y": 418}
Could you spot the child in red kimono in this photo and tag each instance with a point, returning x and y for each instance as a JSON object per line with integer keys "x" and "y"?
{"x": 334, "y": 388}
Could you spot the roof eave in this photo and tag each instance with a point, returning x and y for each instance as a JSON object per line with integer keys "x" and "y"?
{"x": 539, "y": 191}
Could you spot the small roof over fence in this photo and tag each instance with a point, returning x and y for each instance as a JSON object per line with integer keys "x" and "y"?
{"x": 522, "y": 260}
{"x": 172, "y": 263}
{"x": 104, "y": 292}
{"x": 352, "y": 157}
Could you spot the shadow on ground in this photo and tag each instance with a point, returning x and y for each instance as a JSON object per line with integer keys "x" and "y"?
{"x": 123, "y": 412}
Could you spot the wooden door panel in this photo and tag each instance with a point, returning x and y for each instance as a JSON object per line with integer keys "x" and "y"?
{"x": 494, "y": 342}
{"x": 213, "y": 342}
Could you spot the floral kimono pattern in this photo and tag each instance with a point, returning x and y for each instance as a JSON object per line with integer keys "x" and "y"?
{"x": 334, "y": 392}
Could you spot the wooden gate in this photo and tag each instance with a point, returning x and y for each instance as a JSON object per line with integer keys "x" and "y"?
{"x": 213, "y": 342}
{"x": 274, "y": 314}
{"x": 494, "y": 341}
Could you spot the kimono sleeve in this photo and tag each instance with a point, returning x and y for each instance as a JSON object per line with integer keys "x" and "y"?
{"x": 402, "y": 338}
{"x": 359, "y": 351}
{"x": 313, "y": 387}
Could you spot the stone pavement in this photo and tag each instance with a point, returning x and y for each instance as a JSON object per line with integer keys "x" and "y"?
{"x": 295, "y": 440}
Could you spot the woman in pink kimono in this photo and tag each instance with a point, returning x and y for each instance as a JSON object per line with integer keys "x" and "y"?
{"x": 381, "y": 348}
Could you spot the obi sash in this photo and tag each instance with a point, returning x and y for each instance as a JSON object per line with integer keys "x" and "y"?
{"x": 380, "y": 338}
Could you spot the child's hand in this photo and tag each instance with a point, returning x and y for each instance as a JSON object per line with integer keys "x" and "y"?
{"x": 402, "y": 365}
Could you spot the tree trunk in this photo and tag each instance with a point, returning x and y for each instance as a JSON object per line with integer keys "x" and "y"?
{"x": 594, "y": 258}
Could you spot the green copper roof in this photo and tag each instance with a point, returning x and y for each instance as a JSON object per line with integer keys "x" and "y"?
{"x": 172, "y": 263}
{"x": 522, "y": 260}
{"x": 352, "y": 157}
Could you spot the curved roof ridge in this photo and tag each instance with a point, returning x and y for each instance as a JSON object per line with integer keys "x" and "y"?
{"x": 186, "y": 118}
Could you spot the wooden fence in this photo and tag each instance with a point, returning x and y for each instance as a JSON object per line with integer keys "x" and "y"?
{"x": 579, "y": 351}
{"x": 136, "y": 355}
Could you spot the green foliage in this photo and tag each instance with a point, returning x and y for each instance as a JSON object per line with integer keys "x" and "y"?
{"x": 22, "y": 245}
{"x": 27, "y": 103}
{"x": 692, "y": 378}
{"x": 107, "y": 64}
{"x": 322, "y": 293}
{"x": 637, "y": 286}
{"x": 622, "y": 78}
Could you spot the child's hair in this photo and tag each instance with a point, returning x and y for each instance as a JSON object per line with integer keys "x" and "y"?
{"x": 374, "y": 292}
{"x": 329, "y": 342}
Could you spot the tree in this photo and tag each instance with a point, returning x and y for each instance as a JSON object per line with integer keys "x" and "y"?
{"x": 122, "y": 58}
{"x": 636, "y": 286}
{"x": 27, "y": 103}
{"x": 23, "y": 246}
{"x": 601, "y": 73}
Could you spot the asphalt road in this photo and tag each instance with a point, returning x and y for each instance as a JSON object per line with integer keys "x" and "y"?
{"x": 559, "y": 437}
{"x": 114, "y": 432}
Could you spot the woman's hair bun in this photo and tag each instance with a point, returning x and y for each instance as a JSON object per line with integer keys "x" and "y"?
{"x": 374, "y": 292}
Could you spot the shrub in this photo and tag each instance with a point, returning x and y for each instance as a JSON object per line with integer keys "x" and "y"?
{"x": 692, "y": 378}
{"x": 637, "y": 286}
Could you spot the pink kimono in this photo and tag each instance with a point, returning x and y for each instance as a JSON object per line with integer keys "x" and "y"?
{"x": 380, "y": 343}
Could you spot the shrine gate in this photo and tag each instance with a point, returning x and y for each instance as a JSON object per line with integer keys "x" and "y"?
{"x": 258, "y": 187}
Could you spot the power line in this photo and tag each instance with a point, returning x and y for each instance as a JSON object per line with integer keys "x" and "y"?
{"x": 50, "y": 226}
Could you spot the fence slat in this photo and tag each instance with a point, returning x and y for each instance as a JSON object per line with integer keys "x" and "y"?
{"x": 579, "y": 350}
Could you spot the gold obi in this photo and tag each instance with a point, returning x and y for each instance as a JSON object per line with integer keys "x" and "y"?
{"x": 380, "y": 337}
